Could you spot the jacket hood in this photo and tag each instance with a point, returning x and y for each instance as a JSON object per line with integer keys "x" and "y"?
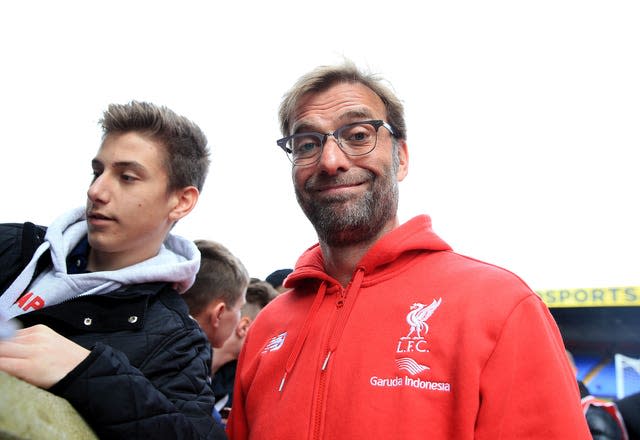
{"x": 416, "y": 235}
{"x": 177, "y": 262}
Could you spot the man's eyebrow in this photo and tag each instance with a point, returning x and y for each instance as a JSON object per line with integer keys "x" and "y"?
{"x": 302, "y": 127}
{"x": 363, "y": 113}
{"x": 357, "y": 114}
{"x": 132, "y": 164}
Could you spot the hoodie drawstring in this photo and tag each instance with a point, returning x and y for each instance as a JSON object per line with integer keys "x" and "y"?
{"x": 354, "y": 288}
{"x": 297, "y": 346}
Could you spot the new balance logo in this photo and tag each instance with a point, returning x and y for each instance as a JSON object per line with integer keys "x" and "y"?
{"x": 275, "y": 343}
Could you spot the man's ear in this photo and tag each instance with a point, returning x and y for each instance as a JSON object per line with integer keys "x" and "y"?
{"x": 183, "y": 200}
{"x": 243, "y": 327}
{"x": 403, "y": 160}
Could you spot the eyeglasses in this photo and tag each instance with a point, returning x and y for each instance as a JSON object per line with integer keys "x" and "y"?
{"x": 355, "y": 139}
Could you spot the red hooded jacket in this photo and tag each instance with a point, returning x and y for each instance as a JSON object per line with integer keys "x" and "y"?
{"x": 422, "y": 344}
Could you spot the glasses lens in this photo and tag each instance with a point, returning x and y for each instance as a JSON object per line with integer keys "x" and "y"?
{"x": 357, "y": 139}
{"x": 305, "y": 148}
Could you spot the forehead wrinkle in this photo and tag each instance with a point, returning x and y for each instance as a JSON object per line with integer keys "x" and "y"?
{"x": 329, "y": 108}
{"x": 351, "y": 115}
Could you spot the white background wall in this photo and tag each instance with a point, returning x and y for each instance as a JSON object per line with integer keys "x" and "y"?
{"x": 523, "y": 117}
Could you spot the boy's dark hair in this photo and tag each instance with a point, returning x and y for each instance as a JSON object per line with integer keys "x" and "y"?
{"x": 221, "y": 276}
{"x": 259, "y": 294}
{"x": 187, "y": 158}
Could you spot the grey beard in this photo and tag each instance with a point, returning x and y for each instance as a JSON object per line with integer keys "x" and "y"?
{"x": 360, "y": 221}
{"x": 339, "y": 223}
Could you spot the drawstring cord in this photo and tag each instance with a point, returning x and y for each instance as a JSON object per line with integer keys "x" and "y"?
{"x": 338, "y": 329}
{"x": 297, "y": 347}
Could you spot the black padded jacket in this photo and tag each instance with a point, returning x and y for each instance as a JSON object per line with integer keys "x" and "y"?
{"x": 147, "y": 374}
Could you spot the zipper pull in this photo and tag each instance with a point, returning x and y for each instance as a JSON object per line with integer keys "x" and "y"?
{"x": 282, "y": 382}
{"x": 326, "y": 361}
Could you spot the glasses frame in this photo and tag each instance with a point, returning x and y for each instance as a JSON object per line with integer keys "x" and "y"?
{"x": 376, "y": 123}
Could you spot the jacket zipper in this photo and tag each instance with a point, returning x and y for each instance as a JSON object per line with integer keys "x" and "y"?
{"x": 320, "y": 396}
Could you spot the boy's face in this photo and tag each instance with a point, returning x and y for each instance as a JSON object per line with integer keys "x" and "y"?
{"x": 129, "y": 210}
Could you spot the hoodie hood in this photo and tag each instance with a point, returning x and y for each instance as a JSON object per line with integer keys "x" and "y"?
{"x": 416, "y": 235}
{"x": 177, "y": 262}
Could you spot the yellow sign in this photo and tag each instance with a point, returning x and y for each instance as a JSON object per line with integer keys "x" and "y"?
{"x": 592, "y": 297}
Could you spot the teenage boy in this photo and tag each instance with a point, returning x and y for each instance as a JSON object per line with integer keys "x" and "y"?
{"x": 97, "y": 292}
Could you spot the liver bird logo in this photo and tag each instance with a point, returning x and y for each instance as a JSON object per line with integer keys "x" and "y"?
{"x": 417, "y": 318}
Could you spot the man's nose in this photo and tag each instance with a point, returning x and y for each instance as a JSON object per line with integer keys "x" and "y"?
{"x": 332, "y": 158}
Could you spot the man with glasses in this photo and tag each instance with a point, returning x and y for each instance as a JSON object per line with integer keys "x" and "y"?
{"x": 386, "y": 332}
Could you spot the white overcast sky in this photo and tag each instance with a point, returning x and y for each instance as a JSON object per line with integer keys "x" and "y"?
{"x": 523, "y": 117}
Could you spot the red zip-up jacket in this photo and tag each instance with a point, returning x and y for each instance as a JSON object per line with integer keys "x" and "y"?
{"x": 422, "y": 344}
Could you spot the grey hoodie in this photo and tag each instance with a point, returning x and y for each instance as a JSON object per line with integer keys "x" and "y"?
{"x": 177, "y": 262}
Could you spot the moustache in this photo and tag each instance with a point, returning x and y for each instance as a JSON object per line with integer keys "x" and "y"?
{"x": 321, "y": 182}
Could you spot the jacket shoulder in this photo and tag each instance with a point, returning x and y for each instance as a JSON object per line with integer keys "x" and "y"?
{"x": 466, "y": 271}
{"x": 18, "y": 242}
